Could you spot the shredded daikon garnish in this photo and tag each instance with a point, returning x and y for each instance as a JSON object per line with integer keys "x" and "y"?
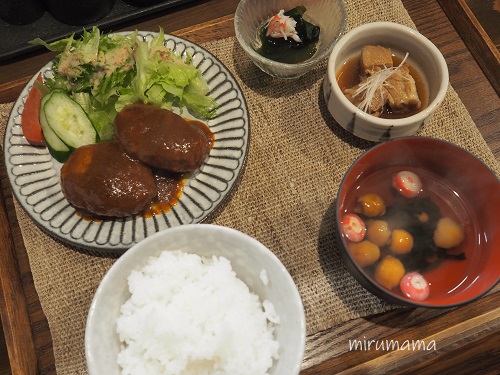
{"x": 373, "y": 84}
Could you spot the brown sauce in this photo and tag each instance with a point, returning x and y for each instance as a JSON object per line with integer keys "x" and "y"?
{"x": 169, "y": 190}
{"x": 169, "y": 184}
{"x": 204, "y": 128}
{"x": 349, "y": 76}
{"x": 102, "y": 179}
{"x": 161, "y": 138}
{"x": 169, "y": 187}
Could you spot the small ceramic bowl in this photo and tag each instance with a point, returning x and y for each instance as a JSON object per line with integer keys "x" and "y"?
{"x": 424, "y": 56}
{"x": 248, "y": 258}
{"x": 461, "y": 186}
{"x": 329, "y": 15}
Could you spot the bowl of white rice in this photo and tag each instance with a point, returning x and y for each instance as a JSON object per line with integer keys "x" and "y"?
{"x": 196, "y": 299}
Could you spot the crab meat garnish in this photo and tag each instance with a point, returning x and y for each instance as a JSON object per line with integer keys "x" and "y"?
{"x": 281, "y": 26}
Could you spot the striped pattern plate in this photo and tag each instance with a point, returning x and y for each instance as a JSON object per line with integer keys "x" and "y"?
{"x": 35, "y": 176}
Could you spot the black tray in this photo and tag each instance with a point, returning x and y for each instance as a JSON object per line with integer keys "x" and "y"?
{"x": 14, "y": 39}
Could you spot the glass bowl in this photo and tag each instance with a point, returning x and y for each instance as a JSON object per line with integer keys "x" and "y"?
{"x": 329, "y": 15}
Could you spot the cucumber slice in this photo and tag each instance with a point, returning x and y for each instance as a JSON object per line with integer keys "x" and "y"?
{"x": 57, "y": 148}
{"x": 68, "y": 120}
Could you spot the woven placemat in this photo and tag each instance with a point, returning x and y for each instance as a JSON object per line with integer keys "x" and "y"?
{"x": 286, "y": 197}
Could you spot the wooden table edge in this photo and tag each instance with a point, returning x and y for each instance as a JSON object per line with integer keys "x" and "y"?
{"x": 475, "y": 37}
{"x": 16, "y": 321}
{"x": 22, "y": 341}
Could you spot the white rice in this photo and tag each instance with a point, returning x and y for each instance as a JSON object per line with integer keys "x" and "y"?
{"x": 263, "y": 277}
{"x": 190, "y": 315}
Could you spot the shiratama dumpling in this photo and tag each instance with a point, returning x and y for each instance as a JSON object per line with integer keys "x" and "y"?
{"x": 448, "y": 233}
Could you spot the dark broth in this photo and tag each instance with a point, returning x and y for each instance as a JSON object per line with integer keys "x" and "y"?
{"x": 285, "y": 53}
{"x": 450, "y": 204}
{"x": 287, "y": 50}
{"x": 349, "y": 76}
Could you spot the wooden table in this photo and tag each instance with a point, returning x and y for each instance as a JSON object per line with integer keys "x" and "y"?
{"x": 469, "y": 337}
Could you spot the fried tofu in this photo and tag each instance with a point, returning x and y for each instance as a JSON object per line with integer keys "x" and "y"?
{"x": 374, "y": 58}
{"x": 402, "y": 90}
{"x": 377, "y": 103}
{"x": 383, "y": 86}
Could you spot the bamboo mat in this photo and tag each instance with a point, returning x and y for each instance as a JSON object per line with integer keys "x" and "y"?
{"x": 286, "y": 197}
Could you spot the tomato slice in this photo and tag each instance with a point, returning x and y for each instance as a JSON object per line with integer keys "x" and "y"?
{"x": 30, "y": 124}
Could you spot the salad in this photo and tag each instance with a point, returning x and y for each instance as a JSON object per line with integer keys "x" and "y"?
{"x": 96, "y": 76}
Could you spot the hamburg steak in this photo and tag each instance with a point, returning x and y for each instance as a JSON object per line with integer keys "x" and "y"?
{"x": 102, "y": 179}
{"x": 161, "y": 138}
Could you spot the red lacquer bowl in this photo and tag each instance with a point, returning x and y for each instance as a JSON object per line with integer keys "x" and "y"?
{"x": 461, "y": 186}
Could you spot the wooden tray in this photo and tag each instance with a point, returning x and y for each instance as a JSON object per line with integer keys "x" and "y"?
{"x": 476, "y": 34}
{"x": 468, "y": 337}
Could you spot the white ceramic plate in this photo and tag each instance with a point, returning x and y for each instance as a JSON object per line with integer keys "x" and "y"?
{"x": 35, "y": 176}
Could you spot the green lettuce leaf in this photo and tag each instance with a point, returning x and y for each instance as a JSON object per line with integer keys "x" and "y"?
{"x": 104, "y": 73}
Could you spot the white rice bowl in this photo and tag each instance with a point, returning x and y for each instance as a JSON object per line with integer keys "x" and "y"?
{"x": 192, "y": 315}
{"x": 247, "y": 319}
